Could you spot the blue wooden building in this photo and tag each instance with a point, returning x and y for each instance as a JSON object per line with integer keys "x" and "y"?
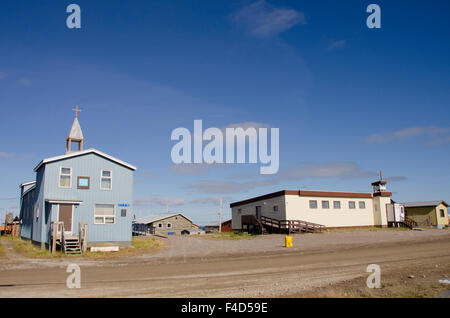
{"x": 80, "y": 186}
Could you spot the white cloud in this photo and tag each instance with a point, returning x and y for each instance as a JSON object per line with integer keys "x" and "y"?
{"x": 342, "y": 170}
{"x": 26, "y": 82}
{"x": 196, "y": 168}
{"x": 434, "y": 133}
{"x": 339, "y": 169}
{"x": 162, "y": 201}
{"x": 210, "y": 200}
{"x": 337, "y": 44}
{"x": 5, "y": 155}
{"x": 228, "y": 186}
{"x": 263, "y": 20}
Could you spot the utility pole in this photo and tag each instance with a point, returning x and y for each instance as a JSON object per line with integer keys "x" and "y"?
{"x": 220, "y": 216}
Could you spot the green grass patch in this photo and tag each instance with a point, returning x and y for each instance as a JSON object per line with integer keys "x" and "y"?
{"x": 139, "y": 245}
{"x": 28, "y": 249}
{"x": 142, "y": 242}
{"x": 229, "y": 236}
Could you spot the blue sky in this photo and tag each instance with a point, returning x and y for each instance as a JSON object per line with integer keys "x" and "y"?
{"x": 349, "y": 101}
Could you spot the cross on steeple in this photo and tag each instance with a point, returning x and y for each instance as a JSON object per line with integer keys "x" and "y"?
{"x": 381, "y": 175}
{"x": 76, "y": 110}
{"x": 75, "y": 134}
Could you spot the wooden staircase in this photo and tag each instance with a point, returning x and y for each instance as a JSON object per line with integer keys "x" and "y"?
{"x": 72, "y": 245}
{"x": 409, "y": 223}
{"x": 265, "y": 224}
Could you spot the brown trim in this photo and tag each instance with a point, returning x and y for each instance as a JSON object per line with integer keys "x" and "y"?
{"x": 382, "y": 194}
{"x": 83, "y": 187}
{"x": 304, "y": 193}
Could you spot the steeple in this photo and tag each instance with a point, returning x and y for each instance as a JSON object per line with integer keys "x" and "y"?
{"x": 380, "y": 185}
{"x": 75, "y": 134}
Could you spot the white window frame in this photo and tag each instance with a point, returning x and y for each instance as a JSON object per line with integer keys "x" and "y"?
{"x": 70, "y": 176}
{"x": 110, "y": 177}
{"x": 104, "y": 216}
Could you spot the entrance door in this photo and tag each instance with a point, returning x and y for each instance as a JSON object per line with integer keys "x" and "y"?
{"x": 65, "y": 215}
{"x": 258, "y": 212}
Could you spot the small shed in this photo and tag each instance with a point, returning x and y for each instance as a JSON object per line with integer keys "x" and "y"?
{"x": 212, "y": 227}
{"x": 162, "y": 224}
{"x": 227, "y": 226}
{"x": 428, "y": 213}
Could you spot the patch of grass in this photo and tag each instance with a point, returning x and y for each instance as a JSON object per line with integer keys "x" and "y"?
{"x": 142, "y": 242}
{"x": 229, "y": 236}
{"x": 139, "y": 245}
{"x": 28, "y": 249}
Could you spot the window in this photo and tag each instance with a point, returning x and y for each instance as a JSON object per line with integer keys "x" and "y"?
{"x": 442, "y": 213}
{"x": 160, "y": 225}
{"x": 275, "y": 208}
{"x": 123, "y": 212}
{"x": 168, "y": 225}
{"x": 351, "y": 204}
{"x": 312, "y": 204}
{"x": 106, "y": 180}
{"x": 325, "y": 204}
{"x": 65, "y": 177}
{"x": 83, "y": 182}
{"x": 239, "y": 211}
{"x": 104, "y": 214}
{"x": 362, "y": 204}
{"x": 337, "y": 204}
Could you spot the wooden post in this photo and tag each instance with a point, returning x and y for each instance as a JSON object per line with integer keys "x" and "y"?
{"x": 55, "y": 231}
{"x": 85, "y": 237}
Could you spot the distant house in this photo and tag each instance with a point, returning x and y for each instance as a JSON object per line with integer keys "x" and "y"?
{"x": 428, "y": 213}
{"x": 226, "y": 226}
{"x": 84, "y": 186}
{"x": 212, "y": 227}
{"x": 163, "y": 224}
{"x": 193, "y": 232}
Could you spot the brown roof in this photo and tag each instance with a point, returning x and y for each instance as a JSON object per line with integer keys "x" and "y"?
{"x": 305, "y": 193}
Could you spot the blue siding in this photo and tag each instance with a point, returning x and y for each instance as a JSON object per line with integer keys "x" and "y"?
{"x": 89, "y": 165}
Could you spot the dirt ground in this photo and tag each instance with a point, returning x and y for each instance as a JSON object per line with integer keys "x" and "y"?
{"x": 330, "y": 264}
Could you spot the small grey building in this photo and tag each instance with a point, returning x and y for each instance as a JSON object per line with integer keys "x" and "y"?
{"x": 163, "y": 224}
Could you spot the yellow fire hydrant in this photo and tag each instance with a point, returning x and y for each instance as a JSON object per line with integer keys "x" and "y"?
{"x": 288, "y": 241}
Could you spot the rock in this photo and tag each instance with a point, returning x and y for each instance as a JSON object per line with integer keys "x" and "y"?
{"x": 411, "y": 276}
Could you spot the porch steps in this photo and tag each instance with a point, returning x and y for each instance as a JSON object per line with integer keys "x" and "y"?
{"x": 72, "y": 246}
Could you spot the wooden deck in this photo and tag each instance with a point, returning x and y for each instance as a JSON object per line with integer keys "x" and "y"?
{"x": 270, "y": 225}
